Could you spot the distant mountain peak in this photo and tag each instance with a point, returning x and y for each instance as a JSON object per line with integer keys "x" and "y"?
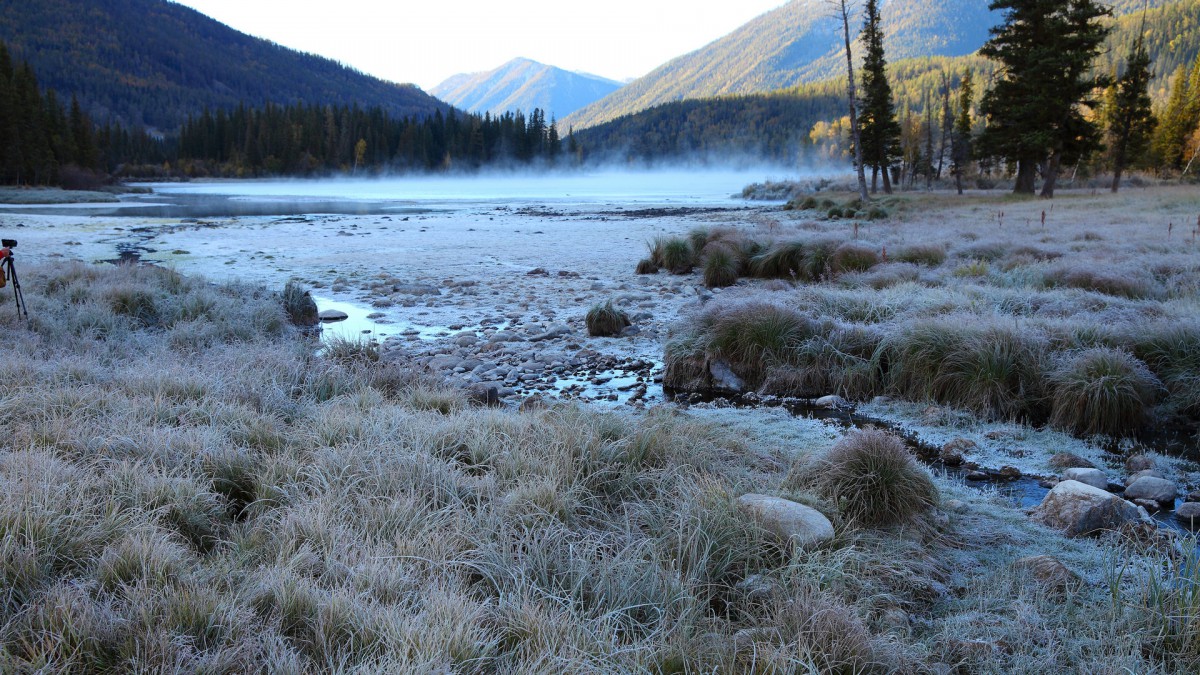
{"x": 524, "y": 84}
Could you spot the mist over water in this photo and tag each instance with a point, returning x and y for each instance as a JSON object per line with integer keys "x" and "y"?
{"x": 679, "y": 187}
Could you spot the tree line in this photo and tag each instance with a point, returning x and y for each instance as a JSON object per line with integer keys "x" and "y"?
{"x": 1047, "y": 106}
{"x": 43, "y": 141}
{"x": 311, "y": 139}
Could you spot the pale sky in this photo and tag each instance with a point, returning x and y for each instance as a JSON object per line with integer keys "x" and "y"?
{"x": 426, "y": 41}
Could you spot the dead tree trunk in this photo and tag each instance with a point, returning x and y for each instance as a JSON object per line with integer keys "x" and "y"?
{"x": 841, "y": 8}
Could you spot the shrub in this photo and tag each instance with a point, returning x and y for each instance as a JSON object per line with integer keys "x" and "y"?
{"x": 1102, "y": 390}
{"x": 677, "y": 256}
{"x": 834, "y": 212}
{"x": 922, "y": 254}
{"x": 809, "y": 203}
{"x": 851, "y": 257}
{"x": 875, "y": 480}
{"x": 877, "y": 213}
{"x": 606, "y": 320}
{"x": 647, "y": 266}
{"x": 720, "y": 267}
{"x": 299, "y": 305}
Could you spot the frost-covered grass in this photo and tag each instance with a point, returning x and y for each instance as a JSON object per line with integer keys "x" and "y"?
{"x": 983, "y": 307}
{"x": 189, "y": 487}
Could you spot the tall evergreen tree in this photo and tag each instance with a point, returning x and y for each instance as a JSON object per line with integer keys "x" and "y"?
{"x": 1045, "y": 49}
{"x": 1180, "y": 118}
{"x": 960, "y": 154}
{"x": 1131, "y": 120}
{"x": 880, "y": 130}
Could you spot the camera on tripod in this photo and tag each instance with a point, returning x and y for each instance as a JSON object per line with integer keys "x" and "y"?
{"x": 9, "y": 271}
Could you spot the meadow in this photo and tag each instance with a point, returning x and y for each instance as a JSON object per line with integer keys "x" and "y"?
{"x": 192, "y": 485}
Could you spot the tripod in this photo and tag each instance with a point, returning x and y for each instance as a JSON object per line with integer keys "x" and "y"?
{"x": 6, "y": 267}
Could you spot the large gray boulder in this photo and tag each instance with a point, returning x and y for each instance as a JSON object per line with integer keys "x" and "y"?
{"x": 801, "y": 525}
{"x": 1078, "y": 509}
{"x": 1093, "y": 477}
{"x": 1189, "y": 513}
{"x": 1151, "y": 487}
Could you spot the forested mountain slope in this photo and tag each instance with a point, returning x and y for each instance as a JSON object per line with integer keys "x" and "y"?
{"x": 776, "y": 125}
{"x": 152, "y": 62}
{"x": 801, "y": 43}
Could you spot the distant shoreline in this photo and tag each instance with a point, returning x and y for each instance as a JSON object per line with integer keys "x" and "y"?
{"x": 10, "y": 194}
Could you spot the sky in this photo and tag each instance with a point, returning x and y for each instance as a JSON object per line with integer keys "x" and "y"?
{"x": 427, "y": 41}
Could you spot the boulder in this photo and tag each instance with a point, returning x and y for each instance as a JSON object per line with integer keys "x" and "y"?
{"x": 1078, "y": 509}
{"x": 831, "y": 402}
{"x": 801, "y": 525}
{"x": 1139, "y": 463}
{"x": 1149, "y": 487}
{"x": 1154, "y": 473}
{"x": 953, "y": 453}
{"x": 723, "y": 376}
{"x": 1069, "y": 460}
{"x": 1010, "y": 473}
{"x": 1050, "y": 571}
{"x": 333, "y": 315}
{"x": 1093, "y": 477}
{"x": 1189, "y": 514}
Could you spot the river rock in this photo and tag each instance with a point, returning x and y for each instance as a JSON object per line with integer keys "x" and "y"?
{"x": 1139, "y": 463}
{"x": 1069, "y": 460}
{"x": 723, "y": 376}
{"x": 1093, "y": 477}
{"x": 333, "y": 315}
{"x": 1050, "y": 571}
{"x": 485, "y": 394}
{"x": 1153, "y": 473}
{"x": 1189, "y": 513}
{"x": 1193, "y": 496}
{"x": 1078, "y": 509}
{"x": 831, "y": 402}
{"x": 1149, "y": 487}
{"x": 954, "y": 452}
{"x": 1010, "y": 473}
{"x": 801, "y": 525}
{"x": 555, "y": 331}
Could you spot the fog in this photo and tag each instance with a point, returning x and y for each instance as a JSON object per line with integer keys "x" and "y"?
{"x": 680, "y": 187}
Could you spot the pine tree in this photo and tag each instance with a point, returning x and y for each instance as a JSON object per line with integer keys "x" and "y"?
{"x": 1180, "y": 118}
{"x": 1131, "y": 120}
{"x": 880, "y": 130}
{"x": 960, "y": 154}
{"x": 1045, "y": 49}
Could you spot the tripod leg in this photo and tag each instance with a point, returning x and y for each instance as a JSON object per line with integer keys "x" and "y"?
{"x": 18, "y": 296}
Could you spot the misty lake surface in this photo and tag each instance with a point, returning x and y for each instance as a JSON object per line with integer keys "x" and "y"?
{"x": 407, "y": 195}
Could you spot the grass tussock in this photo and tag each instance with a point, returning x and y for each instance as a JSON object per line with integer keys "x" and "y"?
{"x": 874, "y": 480}
{"x": 1102, "y": 391}
{"x": 605, "y": 320}
{"x": 299, "y": 305}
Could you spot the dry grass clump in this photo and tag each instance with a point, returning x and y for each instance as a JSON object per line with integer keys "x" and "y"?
{"x": 299, "y": 305}
{"x": 1109, "y": 282}
{"x": 721, "y": 266}
{"x": 874, "y": 480}
{"x": 929, "y": 255}
{"x": 677, "y": 255}
{"x": 852, "y": 257}
{"x": 753, "y": 336}
{"x": 604, "y": 320}
{"x": 1102, "y": 391}
{"x": 647, "y": 266}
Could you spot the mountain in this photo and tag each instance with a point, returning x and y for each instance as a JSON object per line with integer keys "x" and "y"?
{"x": 800, "y": 43}
{"x": 776, "y": 125}
{"x": 153, "y": 62}
{"x": 794, "y": 44}
{"x": 522, "y": 84}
